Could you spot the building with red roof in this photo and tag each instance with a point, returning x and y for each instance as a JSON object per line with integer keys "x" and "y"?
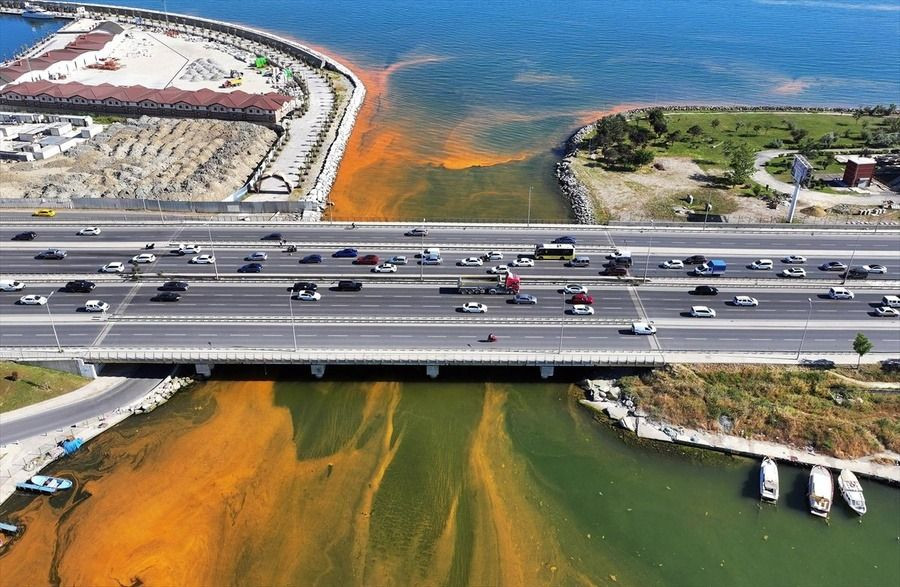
{"x": 82, "y": 51}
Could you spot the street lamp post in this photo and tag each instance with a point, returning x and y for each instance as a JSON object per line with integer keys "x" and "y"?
{"x": 562, "y": 322}
{"x": 293, "y": 326}
{"x": 530, "y": 188}
{"x": 649, "y": 246}
{"x": 706, "y": 216}
{"x": 212, "y": 251}
{"x": 850, "y": 263}
{"x": 162, "y": 218}
{"x": 422, "y": 254}
{"x": 805, "y": 328}
{"x": 52, "y": 325}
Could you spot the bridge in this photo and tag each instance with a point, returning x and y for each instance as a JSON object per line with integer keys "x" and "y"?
{"x": 412, "y": 317}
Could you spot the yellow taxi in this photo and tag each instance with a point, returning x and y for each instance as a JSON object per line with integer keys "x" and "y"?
{"x": 48, "y": 212}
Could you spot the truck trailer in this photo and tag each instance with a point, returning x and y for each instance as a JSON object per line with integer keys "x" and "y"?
{"x": 501, "y": 284}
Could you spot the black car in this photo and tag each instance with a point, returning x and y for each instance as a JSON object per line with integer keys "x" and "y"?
{"x": 80, "y": 286}
{"x": 564, "y": 240}
{"x": 166, "y": 296}
{"x": 855, "y": 273}
{"x": 25, "y": 236}
{"x": 174, "y": 286}
{"x": 251, "y": 268}
{"x": 705, "y": 290}
{"x": 615, "y": 270}
{"x": 55, "y": 254}
{"x": 351, "y": 253}
{"x": 304, "y": 286}
{"x": 275, "y": 236}
{"x": 349, "y": 285}
{"x": 311, "y": 259}
{"x": 696, "y": 260}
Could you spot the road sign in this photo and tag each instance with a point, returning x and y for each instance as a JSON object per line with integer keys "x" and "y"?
{"x": 801, "y": 170}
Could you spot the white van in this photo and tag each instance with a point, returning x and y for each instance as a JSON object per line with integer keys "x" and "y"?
{"x": 11, "y": 285}
{"x": 891, "y": 301}
{"x": 580, "y": 261}
{"x": 95, "y": 306}
{"x": 840, "y": 293}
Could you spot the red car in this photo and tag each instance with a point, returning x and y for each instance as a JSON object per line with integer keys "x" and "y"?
{"x": 367, "y": 260}
{"x": 582, "y": 298}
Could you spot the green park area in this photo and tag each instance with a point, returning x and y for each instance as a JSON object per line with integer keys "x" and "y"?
{"x": 23, "y": 385}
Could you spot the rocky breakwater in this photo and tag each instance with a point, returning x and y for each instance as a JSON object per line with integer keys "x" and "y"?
{"x": 572, "y": 189}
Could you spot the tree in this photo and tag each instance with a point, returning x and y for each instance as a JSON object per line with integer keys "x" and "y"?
{"x": 642, "y": 157}
{"x": 738, "y": 126}
{"x": 611, "y": 130}
{"x": 715, "y": 122}
{"x": 798, "y": 134}
{"x": 757, "y": 128}
{"x": 695, "y": 131}
{"x": 861, "y": 346}
{"x": 658, "y": 121}
{"x": 674, "y": 136}
{"x": 638, "y": 135}
{"x": 740, "y": 161}
{"x": 827, "y": 141}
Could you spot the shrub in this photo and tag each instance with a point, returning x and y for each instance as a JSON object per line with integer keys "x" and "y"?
{"x": 13, "y": 376}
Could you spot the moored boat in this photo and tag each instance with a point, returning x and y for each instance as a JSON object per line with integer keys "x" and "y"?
{"x": 36, "y": 12}
{"x": 55, "y": 483}
{"x": 768, "y": 480}
{"x": 821, "y": 491}
{"x": 852, "y": 491}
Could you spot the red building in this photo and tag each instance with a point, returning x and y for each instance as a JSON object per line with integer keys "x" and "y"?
{"x": 859, "y": 171}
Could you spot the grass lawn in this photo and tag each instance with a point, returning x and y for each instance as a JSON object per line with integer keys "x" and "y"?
{"x": 34, "y": 384}
{"x": 723, "y": 202}
{"x": 792, "y": 405}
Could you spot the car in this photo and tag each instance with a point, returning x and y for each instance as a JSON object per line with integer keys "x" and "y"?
{"x": 886, "y": 312}
{"x": 306, "y": 296}
{"x": 114, "y": 267}
{"x": 855, "y": 273}
{"x": 616, "y": 271}
{"x": 53, "y": 254}
{"x": 95, "y": 306}
{"x": 794, "y": 259}
{"x": 25, "y": 236}
{"x": 89, "y": 231}
{"x": 672, "y": 264}
{"x": 470, "y": 262}
{"x": 833, "y": 266}
{"x": 582, "y": 298}
{"x": 761, "y": 264}
{"x": 879, "y": 269}
{"x": 250, "y": 268}
{"x": 348, "y": 253}
{"x": 416, "y": 232}
{"x": 45, "y": 212}
{"x": 349, "y": 285}
{"x": 274, "y": 236}
{"x": 384, "y": 268}
{"x": 257, "y": 256}
{"x": 32, "y": 300}
{"x": 702, "y": 312}
{"x": 144, "y": 258}
{"x": 582, "y": 310}
{"x": 367, "y": 260}
{"x": 696, "y": 260}
{"x": 523, "y": 298}
{"x": 499, "y": 270}
{"x": 840, "y": 293}
{"x": 493, "y": 256}
{"x": 564, "y": 240}
{"x": 579, "y": 261}
{"x": 522, "y": 262}
{"x": 398, "y": 260}
{"x": 11, "y": 285}
{"x": 744, "y": 301}
{"x": 574, "y": 288}
{"x": 304, "y": 285}
{"x": 473, "y": 308}
{"x": 79, "y": 286}
{"x": 431, "y": 260}
{"x": 793, "y": 272}
{"x": 174, "y": 286}
{"x": 188, "y": 249}
{"x": 311, "y": 259}
{"x": 705, "y": 290}
{"x": 166, "y": 296}
{"x": 818, "y": 363}
{"x": 203, "y": 260}
{"x": 642, "y": 328}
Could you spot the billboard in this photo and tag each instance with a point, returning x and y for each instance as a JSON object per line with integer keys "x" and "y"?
{"x": 801, "y": 170}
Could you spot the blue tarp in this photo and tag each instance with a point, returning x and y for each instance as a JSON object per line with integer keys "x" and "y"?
{"x": 71, "y": 446}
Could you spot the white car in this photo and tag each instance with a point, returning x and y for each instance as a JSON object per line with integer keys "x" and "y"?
{"x": 189, "y": 249}
{"x": 144, "y": 258}
{"x": 642, "y": 328}
{"x": 797, "y": 259}
{"x": 795, "y": 272}
{"x": 11, "y": 285}
{"x": 473, "y": 308}
{"x": 470, "y": 262}
{"x": 493, "y": 256}
{"x": 523, "y": 262}
{"x": 203, "y": 260}
{"x": 840, "y": 293}
{"x": 887, "y": 312}
{"x": 307, "y": 296}
{"x": 879, "y": 269}
{"x": 702, "y": 312}
{"x": 744, "y": 301}
{"x": 582, "y": 310}
{"x": 574, "y": 288}
{"x": 33, "y": 300}
{"x": 257, "y": 256}
{"x": 761, "y": 264}
{"x": 114, "y": 267}
{"x": 89, "y": 231}
{"x": 672, "y": 264}
{"x": 398, "y": 260}
{"x": 95, "y": 306}
{"x": 385, "y": 268}
{"x": 499, "y": 270}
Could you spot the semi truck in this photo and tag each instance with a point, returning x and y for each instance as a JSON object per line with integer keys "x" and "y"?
{"x": 501, "y": 284}
{"x": 711, "y": 267}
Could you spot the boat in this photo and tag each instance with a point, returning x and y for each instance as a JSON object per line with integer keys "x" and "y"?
{"x": 821, "y": 491}
{"x": 36, "y": 12}
{"x": 768, "y": 480}
{"x": 55, "y": 483}
{"x": 852, "y": 491}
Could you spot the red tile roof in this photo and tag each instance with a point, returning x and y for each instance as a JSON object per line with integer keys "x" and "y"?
{"x": 81, "y": 44}
{"x": 205, "y": 97}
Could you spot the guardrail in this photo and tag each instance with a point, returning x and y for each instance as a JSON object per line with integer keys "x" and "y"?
{"x": 333, "y": 320}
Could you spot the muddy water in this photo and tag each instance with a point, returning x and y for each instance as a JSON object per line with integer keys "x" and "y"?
{"x": 255, "y": 483}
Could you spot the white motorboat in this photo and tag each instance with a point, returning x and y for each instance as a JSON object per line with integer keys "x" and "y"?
{"x": 55, "y": 483}
{"x": 36, "y": 12}
{"x": 821, "y": 491}
{"x": 768, "y": 480}
{"x": 852, "y": 491}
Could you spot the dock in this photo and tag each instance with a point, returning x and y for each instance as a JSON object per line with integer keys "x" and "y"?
{"x": 31, "y": 487}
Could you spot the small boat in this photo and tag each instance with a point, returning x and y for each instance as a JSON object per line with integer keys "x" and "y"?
{"x": 852, "y": 491}
{"x": 768, "y": 480}
{"x": 36, "y": 12}
{"x": 54, "y": 483}
{"x": 821, "y": 491}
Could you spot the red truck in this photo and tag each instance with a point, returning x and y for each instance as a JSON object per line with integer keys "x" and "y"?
{"x": 501, "y": 284}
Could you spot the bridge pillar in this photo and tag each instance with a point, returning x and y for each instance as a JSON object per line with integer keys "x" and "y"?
{"x": 318, "y": 370}
{"x": 546, "y": 371}
{"x": 204, "y": 370}
{"x": 432, "y": 370}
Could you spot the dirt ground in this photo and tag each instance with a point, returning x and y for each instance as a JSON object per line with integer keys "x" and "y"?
{"x": 639, "y": 195}
{"x": 166, "y": 158}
